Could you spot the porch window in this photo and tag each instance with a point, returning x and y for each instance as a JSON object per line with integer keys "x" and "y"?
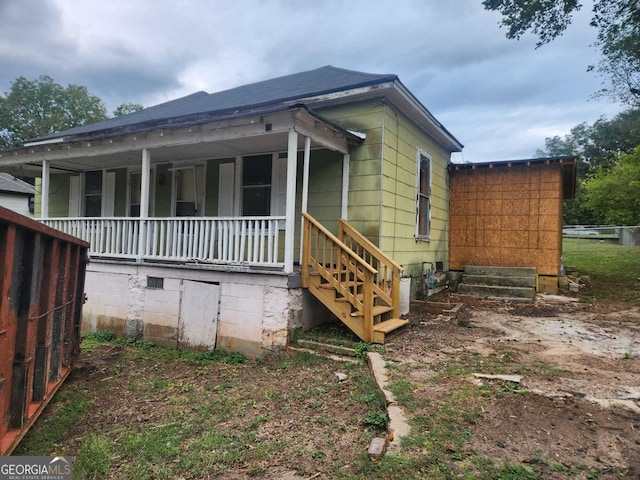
{"x": 423, "y": 196}
{"x": 93, "y": 193}
{"x": 135, "y": 182}
{"x": 256, "y": 185}
{"x": 186, "y": 193}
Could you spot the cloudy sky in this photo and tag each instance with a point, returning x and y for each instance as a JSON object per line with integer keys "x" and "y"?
{"x": 501, "y": 98}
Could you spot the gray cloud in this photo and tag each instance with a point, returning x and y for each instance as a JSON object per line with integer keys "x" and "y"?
{"x": 499, "y": 97}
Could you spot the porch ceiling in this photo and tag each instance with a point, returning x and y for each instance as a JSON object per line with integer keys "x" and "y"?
{"x": 253, "y": 134}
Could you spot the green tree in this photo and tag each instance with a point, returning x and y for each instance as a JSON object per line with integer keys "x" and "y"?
{"x": 126, "y": 108}
{"x": 598, "y": 147}
{"x": 618, "y": 25}
{"x": 614, "y": 195}
{"x": 36, "y": 108}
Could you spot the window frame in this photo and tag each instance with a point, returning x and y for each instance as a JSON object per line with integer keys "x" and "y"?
{"x": 420, "y": 195}
{"x": 248, "y": 187}
{"x": 131, "y": 171}
{"x": 278, "y": 184}
{"x": 199, "y": 175}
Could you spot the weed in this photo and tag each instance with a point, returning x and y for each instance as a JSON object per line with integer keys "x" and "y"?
{"x": 360, "y": 350}
{"x": 234, "y": 358}
{"x": 101, "y": 337}
{"x": 592, "y": 475}
{"x": 318, "y": 454}
{"x": 627, "y": 356}
{"x": 258, "y": 420}
{"x": 94, "y": 340}
{"x": 377, "y": 420}
{"x": 510, "y": 471}
{"x": 321, "y": 420}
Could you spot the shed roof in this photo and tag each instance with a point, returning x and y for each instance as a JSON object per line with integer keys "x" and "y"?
{"x": 568, "y": 166}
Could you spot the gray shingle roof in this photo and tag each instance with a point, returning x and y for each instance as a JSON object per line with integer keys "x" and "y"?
{"x": 11, "y": 184}
{"x": 275, "y": 91}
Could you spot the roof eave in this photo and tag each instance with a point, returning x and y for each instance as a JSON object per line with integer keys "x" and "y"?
{"x": 400, "y": 96}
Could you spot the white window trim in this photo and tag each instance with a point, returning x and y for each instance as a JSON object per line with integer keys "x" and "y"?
{"x": 152, "y": 189}
{"x": 103, "y": 194}
{"x": 200, "y": 196}
{"x": 276, "y": 164}
{"x": 423, "y": 153}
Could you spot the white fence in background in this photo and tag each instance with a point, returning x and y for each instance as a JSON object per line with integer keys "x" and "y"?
{"x": 219, "y": 240}
{"x": 623, "y": 235}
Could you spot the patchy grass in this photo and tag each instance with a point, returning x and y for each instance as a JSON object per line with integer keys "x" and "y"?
{"x": 71, "y": 407}
{"x": 614, "y": 270}
{"x": 140, "y": 412}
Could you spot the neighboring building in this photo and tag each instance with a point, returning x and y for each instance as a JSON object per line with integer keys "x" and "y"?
{"x": 193, "y": 208}
{"x": 16, "y": 194}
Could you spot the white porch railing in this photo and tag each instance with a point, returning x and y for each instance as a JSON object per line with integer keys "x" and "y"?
{"x": 219, "y": 240}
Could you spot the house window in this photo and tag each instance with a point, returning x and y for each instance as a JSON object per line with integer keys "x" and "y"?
{"x": 186, "y": 192}
{"x": 93, "y": 193}
{"x": 256, "y": 185}
{"x": 423, "y": 196}
{"x": 135, "y": 182}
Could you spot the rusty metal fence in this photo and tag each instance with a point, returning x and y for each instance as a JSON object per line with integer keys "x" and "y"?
{"x": 42, "y": 275}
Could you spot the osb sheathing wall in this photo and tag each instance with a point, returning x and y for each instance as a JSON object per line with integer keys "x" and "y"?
{"x": 507, "y": 216}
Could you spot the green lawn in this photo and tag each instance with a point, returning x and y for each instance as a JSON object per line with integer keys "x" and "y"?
{"x": 613, "y": 270}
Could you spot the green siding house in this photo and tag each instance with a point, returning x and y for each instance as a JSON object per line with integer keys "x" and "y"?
{"x": 230, "y": 219}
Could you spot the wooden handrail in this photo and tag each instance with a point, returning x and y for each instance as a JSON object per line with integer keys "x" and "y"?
{"x": 339, "y": 243}
{"x": 330, "y": 257}
{"x": 363, "y": 241}
{"x": 388, "y": 289}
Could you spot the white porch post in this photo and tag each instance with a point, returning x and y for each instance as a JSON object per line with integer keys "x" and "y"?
{"x": 305, "y": 186}
{"x": 144, "y": 183}
{"x": 289, "y": 230}
{"x": 345, "y": 185}
{"x": 44, "y": 204}
{"x": 144, "y": 201}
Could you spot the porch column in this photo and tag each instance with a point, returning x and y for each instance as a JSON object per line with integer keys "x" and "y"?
{"x": 305, "y": 186}
{"x": 345, "y": 185}
{"x": 144, "y": 202}
{"x": 44, "y": 203}
{"x": 144, "y": 183}
{"x": 289, "y": 230}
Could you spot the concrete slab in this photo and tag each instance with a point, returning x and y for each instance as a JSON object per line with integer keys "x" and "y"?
{"x": 398, "y": 424}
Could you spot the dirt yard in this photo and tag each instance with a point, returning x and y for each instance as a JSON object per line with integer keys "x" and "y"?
{"x": 543, "y": 391}
{"x": 569, "y": 374}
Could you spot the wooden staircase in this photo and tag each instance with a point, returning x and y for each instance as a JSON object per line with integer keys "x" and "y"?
{"x": 353, "y": 278}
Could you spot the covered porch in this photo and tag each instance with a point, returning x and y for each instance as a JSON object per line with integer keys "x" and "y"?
{"x": 223, "y": 192}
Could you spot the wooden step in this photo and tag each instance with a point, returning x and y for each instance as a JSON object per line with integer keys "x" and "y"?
{"x": 377, "y": 310}
{"x": 386, "y": 327}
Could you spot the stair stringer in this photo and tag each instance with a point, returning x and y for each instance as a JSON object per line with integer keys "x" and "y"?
{"x": 342, "y": 310}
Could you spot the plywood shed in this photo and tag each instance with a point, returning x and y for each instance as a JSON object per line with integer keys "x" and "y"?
{"x": 509, "y": 214}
